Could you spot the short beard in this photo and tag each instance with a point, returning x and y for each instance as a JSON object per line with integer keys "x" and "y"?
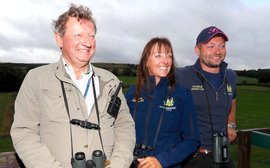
{"x": 213, "y": 66}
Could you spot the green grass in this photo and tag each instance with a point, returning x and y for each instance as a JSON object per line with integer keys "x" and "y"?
{"x": 260, "y": 158}
{"x": 127, "y": 81}
{"x": 6, "y": 144}
{"x": 3, "y": 104}
{"x": 5, "y": 141}
{"x": 252, "y": 109}
{"x": 4, "y": 97}
{"x": 244, "y": 79}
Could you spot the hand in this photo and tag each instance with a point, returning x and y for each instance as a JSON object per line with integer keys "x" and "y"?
{"x": 231, "y": 134}
{"x": 149, "y": 162}
{"x": 107, "y": 164}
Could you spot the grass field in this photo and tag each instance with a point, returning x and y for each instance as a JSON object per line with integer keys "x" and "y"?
{"x": 128, "y": 79}
{"x": 6, "y": 105}
{"x": 5, "y": 141}
{"x": 253, "y": 107}
{"x": 3, "y": 103}
{"x": 243, "y": 79}
{"x": 252, "y": 112}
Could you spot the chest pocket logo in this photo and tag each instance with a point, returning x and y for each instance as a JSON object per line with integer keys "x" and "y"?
{"x": 168, "y": 104}
{"x": 229, "y": 89}
{"x": 197, "y": 87}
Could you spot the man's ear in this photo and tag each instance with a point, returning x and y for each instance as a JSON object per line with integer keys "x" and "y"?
{"x": 197, "y": 50}
{"x": 59, "y": 40}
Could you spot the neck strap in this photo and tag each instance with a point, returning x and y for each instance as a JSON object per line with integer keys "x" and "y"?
{"x": 208, "y": 101}
{"x": 97, "y": 112}
{"x": 147, "y": 121}
{"x": 70, "y": 129}
{"x": 68, "y": 112}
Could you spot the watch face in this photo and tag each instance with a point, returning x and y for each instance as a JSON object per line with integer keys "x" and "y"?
{"x": 232, "y": 125}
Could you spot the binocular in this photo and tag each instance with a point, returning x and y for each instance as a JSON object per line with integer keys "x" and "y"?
{"x": 136, "y": 154}
{"x": 220, "y": 148}
{"x": 98, "y": 160}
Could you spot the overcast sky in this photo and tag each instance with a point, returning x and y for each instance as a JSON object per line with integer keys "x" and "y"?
{"x": 125, "y": 26}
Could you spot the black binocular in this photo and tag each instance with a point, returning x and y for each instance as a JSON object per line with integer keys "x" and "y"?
{"x": 136, "y": 154}
{"x": 98, "y": 160}
{"x": 221, "y": 147}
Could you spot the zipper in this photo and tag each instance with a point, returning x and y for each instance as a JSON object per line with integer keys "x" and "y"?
{"x": 216, "y": 96}
{"x": 191, "y": 123}
{"x": 216, "y": 91}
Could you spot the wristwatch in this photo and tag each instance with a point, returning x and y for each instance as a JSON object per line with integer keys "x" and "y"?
{"x": 232, "y": 125}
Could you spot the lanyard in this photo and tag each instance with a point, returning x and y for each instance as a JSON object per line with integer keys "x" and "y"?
{"x": 88, "y": 84}
{"x": 87, "y": 87}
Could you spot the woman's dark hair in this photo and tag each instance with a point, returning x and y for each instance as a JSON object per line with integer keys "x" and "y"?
{"x": 143, "y": 72}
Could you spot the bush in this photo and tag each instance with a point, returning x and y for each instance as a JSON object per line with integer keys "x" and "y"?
{"x": 264, "y": 77}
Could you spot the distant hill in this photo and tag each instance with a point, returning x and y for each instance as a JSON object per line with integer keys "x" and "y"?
{"x": 111, "y": 66}
{"x": 12, "y": 74}
{"x": 23, "y": 66}
{"x": 253, "y": 73}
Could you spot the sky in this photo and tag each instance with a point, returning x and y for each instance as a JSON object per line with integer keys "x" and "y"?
{"x": 125, "y": 26}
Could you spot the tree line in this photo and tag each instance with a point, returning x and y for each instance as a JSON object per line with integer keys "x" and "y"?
{"x": 262, "y": 75}
{"x": 12, "y": 74}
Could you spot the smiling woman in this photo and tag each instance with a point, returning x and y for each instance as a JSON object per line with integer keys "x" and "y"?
{"x": 164, "y": 113}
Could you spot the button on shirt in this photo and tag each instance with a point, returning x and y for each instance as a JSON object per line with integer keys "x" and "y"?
{"x": 84, "y": 80}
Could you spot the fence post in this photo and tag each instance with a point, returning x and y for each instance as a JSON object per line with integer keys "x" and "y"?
{"x": 244, "y": 141}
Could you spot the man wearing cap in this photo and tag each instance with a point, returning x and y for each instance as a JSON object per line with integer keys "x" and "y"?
{"x": 213, "y": 88}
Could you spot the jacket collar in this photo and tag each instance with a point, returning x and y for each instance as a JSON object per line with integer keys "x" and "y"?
{"x": 162, "y": 81}
{"x": 197, "y": 66}
{"x": 60, "y": 72}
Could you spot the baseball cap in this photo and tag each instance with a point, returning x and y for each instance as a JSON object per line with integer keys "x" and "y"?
{"x": 208, "y": 33}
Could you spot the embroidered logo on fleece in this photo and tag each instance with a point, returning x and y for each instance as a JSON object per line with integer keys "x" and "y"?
{"x": 197, "y": 87}
{"x": 168, "y": 104}
{"x": 138, "y": 101}
{"x": 229, "y": 89}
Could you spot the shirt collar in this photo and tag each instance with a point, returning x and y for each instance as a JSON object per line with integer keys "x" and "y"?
{"x": 70, "y": 71}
